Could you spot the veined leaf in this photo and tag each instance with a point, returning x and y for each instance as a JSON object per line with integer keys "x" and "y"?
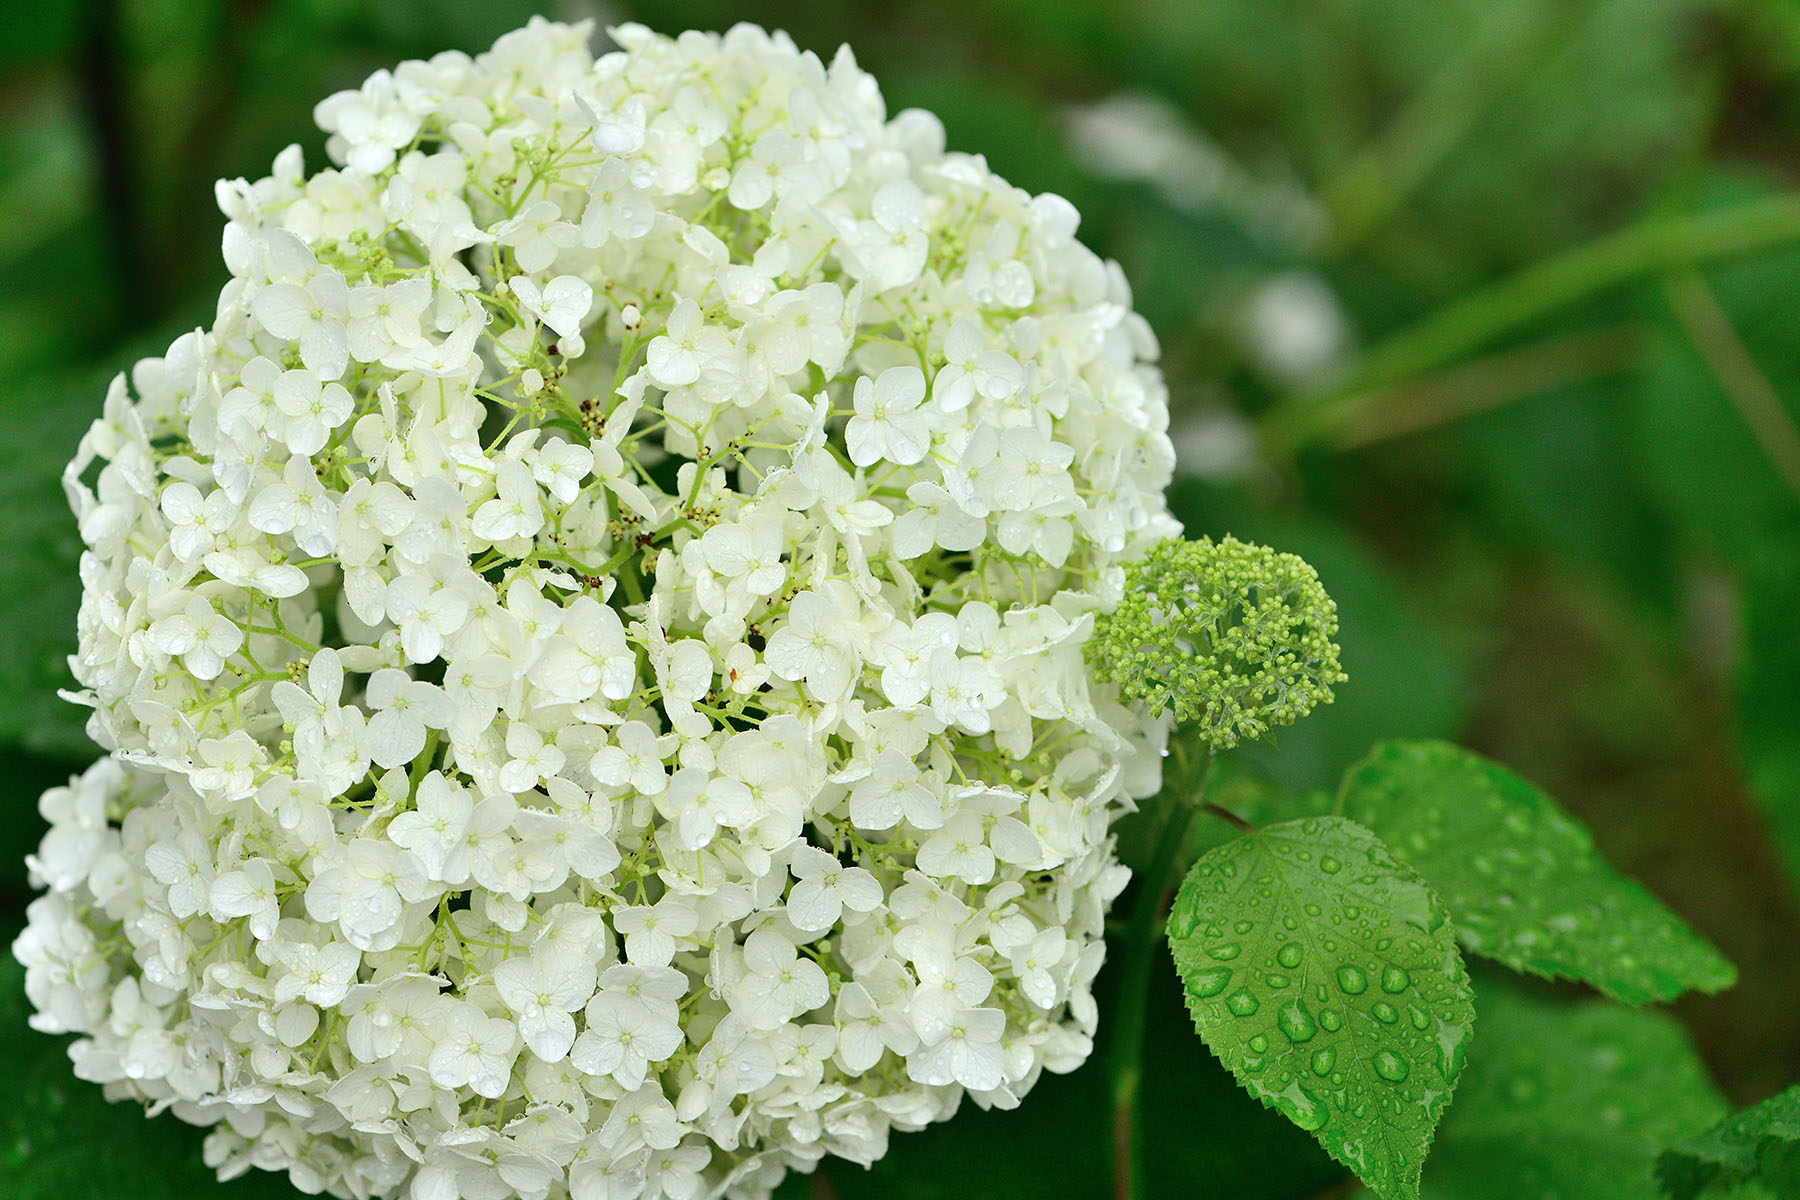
{"x": 1324, "y": 975}
{"x": 1521, "y": 878}
{"x": 1760, "y": 1143}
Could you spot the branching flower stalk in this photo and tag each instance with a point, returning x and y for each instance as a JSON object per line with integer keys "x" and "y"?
{"x": 1231, "y": 639}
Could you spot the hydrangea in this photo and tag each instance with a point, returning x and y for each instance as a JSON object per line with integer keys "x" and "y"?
{"x": 1233, "y": 637}
{"x": 590, "y": 642}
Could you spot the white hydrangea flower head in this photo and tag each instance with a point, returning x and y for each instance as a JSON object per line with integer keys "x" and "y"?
{"x": 590, "y": 641}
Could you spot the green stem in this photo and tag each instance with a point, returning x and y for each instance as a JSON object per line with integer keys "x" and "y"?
{"x": 1655, "y": 244}
{"x": 1377, "y": 182}
{"x": 1137, "y": 954}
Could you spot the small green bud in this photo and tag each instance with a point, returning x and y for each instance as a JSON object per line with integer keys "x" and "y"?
{"x": 1234, "y": 636}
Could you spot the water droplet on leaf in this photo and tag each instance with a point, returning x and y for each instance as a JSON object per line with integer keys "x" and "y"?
{"x": 1205, "y": 984}
{"x": 1390, "y": 1066}
{"x": 1296, "y": 1022}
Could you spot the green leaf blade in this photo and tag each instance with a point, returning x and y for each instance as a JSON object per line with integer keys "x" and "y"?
{"x": 1760, "y": 1143}
{"x": 1323, "y": 974}
{"x": 1522, "y": 878}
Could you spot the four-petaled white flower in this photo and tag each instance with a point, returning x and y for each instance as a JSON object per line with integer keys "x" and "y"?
{"x": 542, "y": 990}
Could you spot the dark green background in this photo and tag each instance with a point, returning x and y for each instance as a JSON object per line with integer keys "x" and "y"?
{"x": 1551, "y": 529}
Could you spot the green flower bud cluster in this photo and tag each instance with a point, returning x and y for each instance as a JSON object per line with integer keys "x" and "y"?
{"x": 1229, "y": 635}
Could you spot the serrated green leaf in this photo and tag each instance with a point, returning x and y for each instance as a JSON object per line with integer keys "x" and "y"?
{"x": 1570, "y": 1101}
{"x": 1324, "y": 975}
{"x": 1760, "y": 1143}
{"x": 1521, "y": 878}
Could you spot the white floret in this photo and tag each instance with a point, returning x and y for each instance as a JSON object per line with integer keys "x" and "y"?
{"x": 589, "y": 643}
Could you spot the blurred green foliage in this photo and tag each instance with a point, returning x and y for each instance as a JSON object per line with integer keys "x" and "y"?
{"x": 1487, "y": 310}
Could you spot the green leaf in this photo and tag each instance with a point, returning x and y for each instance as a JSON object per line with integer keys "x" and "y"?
{"x": 1564, "y": 1100}
{"x": 44, "y": 420}
{"x": 1760, "y": 1143}
{"x": 1323, "y": 974}
{"x": 1521, "y": 878}
{"x": 38, "y": 542}
{"x": 1769, "y": 702}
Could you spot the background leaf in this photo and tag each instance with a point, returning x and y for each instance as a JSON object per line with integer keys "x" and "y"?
{"x": 1323, "y": 974}
{"x": 1567, "y": 1100}
{"x": 1522, "y": 881}
{"x": 1760, "y": 1144}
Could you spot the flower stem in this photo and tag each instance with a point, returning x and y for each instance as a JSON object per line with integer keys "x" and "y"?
{"x": 1658, "y": 243}
{"x": 1127, "y": 1060}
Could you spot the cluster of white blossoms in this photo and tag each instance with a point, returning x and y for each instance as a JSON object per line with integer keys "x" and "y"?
{"x": 590, "y": 642}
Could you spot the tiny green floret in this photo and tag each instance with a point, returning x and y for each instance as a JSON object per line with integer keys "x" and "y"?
{"x": 1229, "y": 635}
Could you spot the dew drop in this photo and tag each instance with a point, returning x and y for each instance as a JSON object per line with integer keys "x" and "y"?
{"x": 1224, "y": 952}
{"x": 1389, "y": 1066}
{"x": 1352, "y": 980}
{"x": 1259, "y": 1044}
{"x": 1289, "y": 955}
{"x": 1205, "y": 984}
{"x": 1242, "y": 1003}
{"x": 1296, "y": 1022}
{"x": 1330, "y": 865}
{"x": 1243, "y": 927}
{"x": 1453, "y": 1045}
{"x": 1301, "y": 1107}
{"x": 1323, "y": 1061}
{"x": 1421, "y": 1020}
{"x": 1384, "y": 1012}
{"x": 1395, "y": 980}
{"x": 1277, "y": 981}
{"x": 1331, "y": 1020}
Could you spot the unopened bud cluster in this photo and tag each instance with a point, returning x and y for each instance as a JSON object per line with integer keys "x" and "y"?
{"x": 1232, "y": 637}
